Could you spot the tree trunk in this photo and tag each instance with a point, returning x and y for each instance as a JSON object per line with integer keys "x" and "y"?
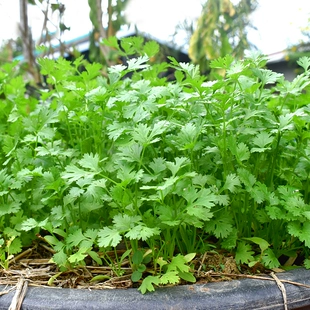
{"x": 27, "y": 41}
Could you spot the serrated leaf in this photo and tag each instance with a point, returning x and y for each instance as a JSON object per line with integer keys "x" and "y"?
{"x": 75, "y": 238}
{"x": 141, "y": 232}
{"x": 231, "y": 240}
{"x": 263, "y": 139}
{"x": 178, "y": 263}
{"x": 232, "y": 183}
{"x": 10, "y": 207}
{"x": 244, "y": 253}
{"x": 124, "y": 222}
{"x": 301, "y": 231}
{"x": 151, "y": 48}
{"x": 179, "y": 163}
{"x": 137, "y": 63}
{"x": 222, "y": 62}
{"x": 246, "y": 177}
{"x": 29, "y": 224}
{"x": 147, "y": 284}
{"x": 270, "y": 260}
{"x": 79, "y": 256}
{"x": 60, "y": 258}
{"x": 108, "y": 237}
{"x": 73, "y": 173}
{"x": 243, "y": 152}
{"x": 91, "y": 162}
{"x": 304, "y": 62}
{"x": 267, "y": 76}
{"x": 15, "y": 246}
{"x": 221, "y": 226}
{"x": 170, "y": 277}
{"x": 235, "y": 69}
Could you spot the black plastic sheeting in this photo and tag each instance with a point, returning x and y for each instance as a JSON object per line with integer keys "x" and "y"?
{"x": 237, "y": 294}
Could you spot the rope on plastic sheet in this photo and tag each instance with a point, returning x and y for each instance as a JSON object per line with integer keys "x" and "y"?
{"x": 21, "y": 289}
{"x": 282, "y": 289}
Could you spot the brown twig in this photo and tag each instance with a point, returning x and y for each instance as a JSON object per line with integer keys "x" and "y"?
{"x": 19, "y": 256}
{"x": 7, "y": 291}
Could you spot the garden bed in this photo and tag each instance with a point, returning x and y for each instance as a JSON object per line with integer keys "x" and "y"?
{"x": 244, "y": 292}
{"x": 121, "y": 179}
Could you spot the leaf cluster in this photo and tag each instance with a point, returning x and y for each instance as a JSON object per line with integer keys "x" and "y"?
{"x": 178, "y": 167}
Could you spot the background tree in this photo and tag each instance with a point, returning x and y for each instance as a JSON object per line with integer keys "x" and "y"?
{"x": 114, "y": 20}
{"x": 27, "y": 42}
{"x": 302, "y": 48}
{"x": 221, "y": 30}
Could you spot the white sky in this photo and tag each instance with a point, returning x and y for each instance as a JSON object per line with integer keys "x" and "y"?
{"x": 278, "y": 21}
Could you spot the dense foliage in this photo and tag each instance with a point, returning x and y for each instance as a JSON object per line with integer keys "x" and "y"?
{"x": 163, "y": 169}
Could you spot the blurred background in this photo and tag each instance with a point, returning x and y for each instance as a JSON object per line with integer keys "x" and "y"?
{"x": 195, "y": 31}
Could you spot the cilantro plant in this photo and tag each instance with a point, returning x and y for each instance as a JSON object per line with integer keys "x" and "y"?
{"x": 163, "y": 169}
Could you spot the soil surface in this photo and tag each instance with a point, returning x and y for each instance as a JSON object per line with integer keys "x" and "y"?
{"x": 35, "y": 266}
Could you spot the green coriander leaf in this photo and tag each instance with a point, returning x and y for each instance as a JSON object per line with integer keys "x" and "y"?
{"x": 91, "y": 234}
{"x": 170, "y": 277}
{"x": 232, "y": 183}
{"x": 263, "y": 244}
{"x": 304, "y": 62}
{"x": 187, "y": 276}
{"x": 75, "y": 238}
{"x": 141, "y": 232}
{"x": 246, "y": 178}
{"x": 179, "y": 163}
{"x": 108, "y": 237}
{"x": 29, "y": 224}
{"x": 244, "y": 253}
{"x": 138, "y": 63}
{"x": 131, "y": 153}
{"x": 137, "y": 257}
{"x": 276, "y": 213}
{"x": 10, "y": 208}
{"x": 91, "y": 162}
{"x": 221, "y": 226}
{"x": 200, "y": 212}
{"x": 151, "y": 48}
{"x": 230, "y": 242}
{"x": 79, "y": 256}
{"x": 300, "y": 230}
{"x": 267, "y": 76}
{"x": 242, "y": 152}
{"x": 222, "y": 62}
{"x": 270, "y": 260}
{"x": 178, "y": 263}
{"x": 147, "y": 284}
{"x": 15, "y": 246}
{"x": 116, "y": 129}
{"x": 73, "y": 173}
{"x": 235, "y": 69}
{"x": 60, "y": 258}
{"x": 124, "y": 222}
